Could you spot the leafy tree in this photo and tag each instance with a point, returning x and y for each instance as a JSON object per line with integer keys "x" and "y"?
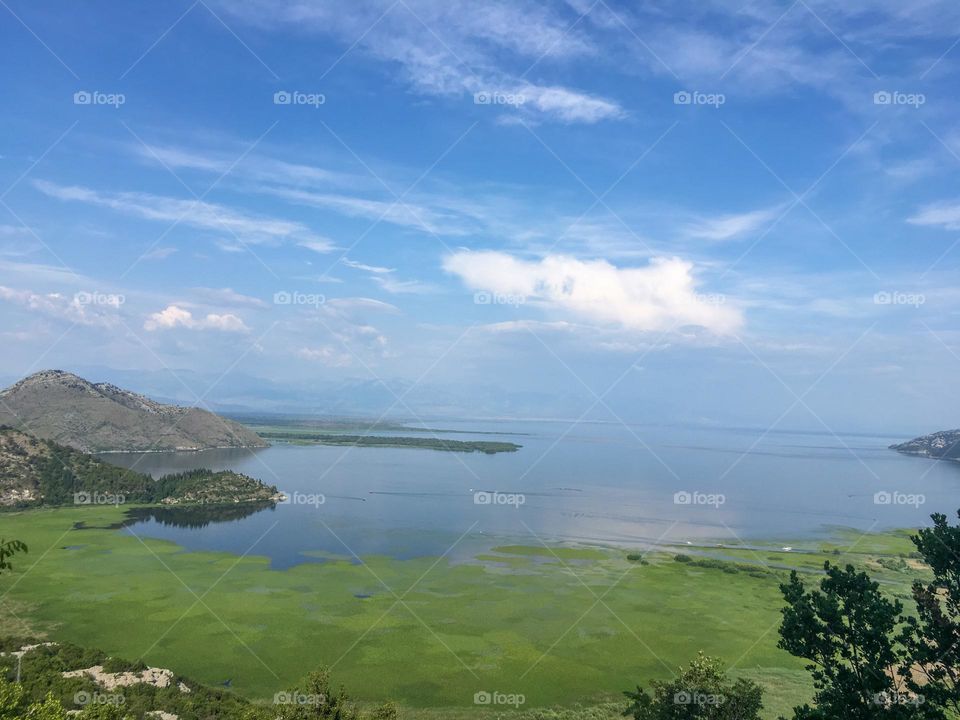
{"x": 846, "y": 630}
{"x": 316, "y": 700}
{"x": 9, "y": 548}
{"x": 932, "y": 638}
{"x": 11, "y": 698}
{"x": 102, "y": 711}
{"x": 47, "y": 709}
{"x": 700, "y": 691}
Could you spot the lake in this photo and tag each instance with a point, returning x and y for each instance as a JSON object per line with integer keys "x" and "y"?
{"x": 596, "y": 484}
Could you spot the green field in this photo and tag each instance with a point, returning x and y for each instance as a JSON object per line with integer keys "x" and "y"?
{"x": 577, "y": 625}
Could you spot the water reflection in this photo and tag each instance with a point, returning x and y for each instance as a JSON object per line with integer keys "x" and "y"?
{"x": 195, "y": 516}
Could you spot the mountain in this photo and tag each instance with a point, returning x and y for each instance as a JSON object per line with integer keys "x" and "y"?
{"x": 99, "y": 417}
{"x": 944, "y": 444}
{"x": 41, "y": 472}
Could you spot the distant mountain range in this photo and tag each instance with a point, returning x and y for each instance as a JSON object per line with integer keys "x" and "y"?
{"x": 944, "y": 444}
{"x": 352, "y": 397}
{"x": 100, "y": 417}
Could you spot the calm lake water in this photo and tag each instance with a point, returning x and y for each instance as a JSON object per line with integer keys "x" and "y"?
{"x": 597, "y": 483}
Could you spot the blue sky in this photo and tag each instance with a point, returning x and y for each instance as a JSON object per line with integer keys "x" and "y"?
{"x": 707, "y": 212}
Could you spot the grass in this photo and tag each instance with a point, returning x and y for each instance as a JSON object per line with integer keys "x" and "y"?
{"x": 515, "y": 620}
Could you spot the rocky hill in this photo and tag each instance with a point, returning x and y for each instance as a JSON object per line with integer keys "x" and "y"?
{"x": 41, "y": 472}
{"x": 944, "y": 444}
{"x": 99, "y": 417}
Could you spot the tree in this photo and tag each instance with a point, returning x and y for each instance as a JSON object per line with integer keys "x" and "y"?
{"x": 102, "y": 711}
{"x": 314, "y": 701}
{"x": 700, "y": 691}
{"x": 846, "y": 630}
{"x": 9, "y": 548}
{"x": 932, "y": 638}
{"x": 11, "y": 697}
{"x": 47, "y": 709}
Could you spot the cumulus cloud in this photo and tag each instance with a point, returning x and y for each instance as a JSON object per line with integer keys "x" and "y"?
{"x": 83, "y": 308}
{"x": 174, "y": 316}
{"x": 659, "y": 296}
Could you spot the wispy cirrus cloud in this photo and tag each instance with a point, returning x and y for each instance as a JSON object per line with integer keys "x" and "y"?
{"x": 193, "y": 213}
{"x": 455, "y": 48}
{"x": 944, "y": 215}
{"x": 252, "y": 167}
{"x": 367, "y": 268}
{"x": 733, "y": 226}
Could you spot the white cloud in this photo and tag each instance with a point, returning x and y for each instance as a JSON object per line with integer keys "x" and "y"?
{"x": 61, "y": 306}
{"x": 174, "y": 316}
{"x": 453, "y": 48}
{"x": 568, "y": 105}
{"x": 368, "y": 268}
{"x": 403, "y": 287}
{"x": 322, "y": 245}
{"x": 660, "y": 296}
{"x": 229, "y": 296}
{"x": 404, "y": 214}
{"x": 326, "y": 355}
{"x": 944, "y": 214}
{"x": 727, "y": 227}
{"x": 360, "y": 303}
{"x": 251, "y": 167}
{"x": 160, "y": 253}
{"x": 197, "y": 214}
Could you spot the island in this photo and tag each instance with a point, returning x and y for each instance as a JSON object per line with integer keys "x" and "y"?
{"x": 488, "y": 447}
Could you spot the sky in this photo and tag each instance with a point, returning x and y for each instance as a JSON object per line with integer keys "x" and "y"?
{"x": 714, "y": 213}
